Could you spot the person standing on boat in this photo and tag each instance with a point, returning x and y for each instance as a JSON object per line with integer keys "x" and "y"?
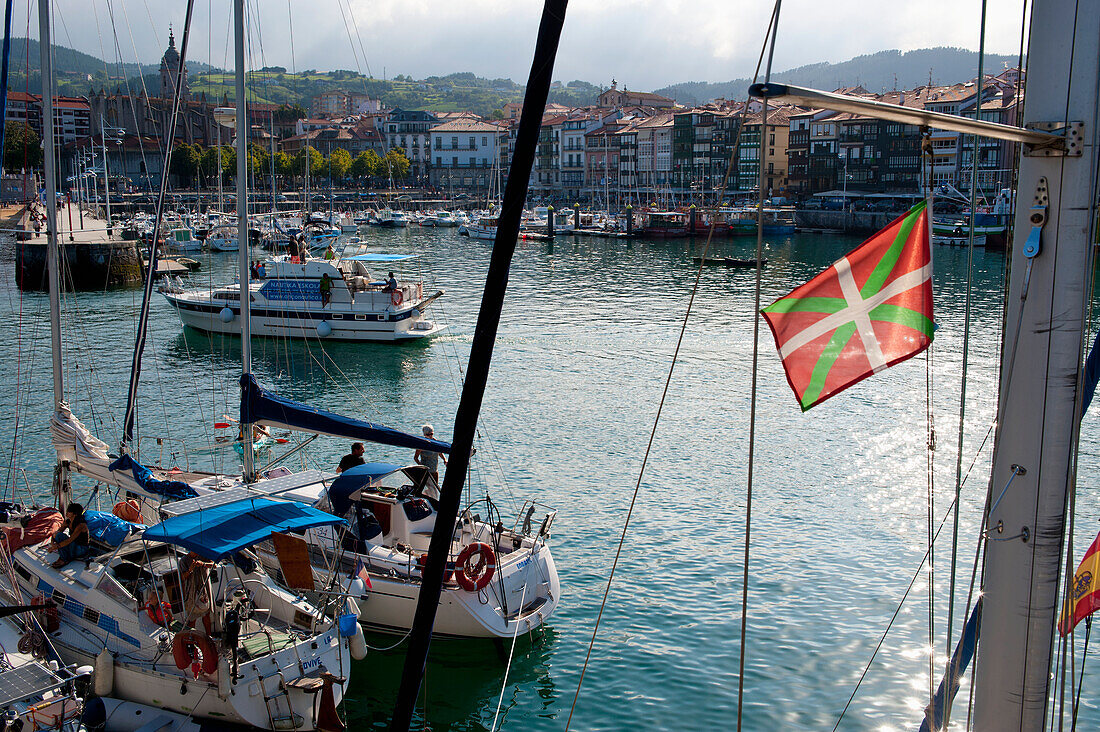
{"x": 72, "y": 541}
{"x": 330, "y": 253}
{"x": 326, "y": 290}
{"x": 428, "y": 458}
{"x": 352, "y": 459}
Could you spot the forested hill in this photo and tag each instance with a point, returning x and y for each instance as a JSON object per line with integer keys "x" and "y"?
{"x": 876, "y": 72}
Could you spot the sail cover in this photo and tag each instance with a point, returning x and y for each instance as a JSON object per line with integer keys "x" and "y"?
{"x": 174, "y": 489}
{"x": 258, "y": 405}
{"x": 219, "y": 531}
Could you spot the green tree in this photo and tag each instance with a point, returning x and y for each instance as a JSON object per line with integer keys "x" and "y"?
{"x": 259, "y": 160}
{"x": 366, "y": 164}
{"x": 395, "y": 164}
{"x": 185, "y": 163}
{"x": 22, "y": 147}
{"x": 316, "y": 163}
{"x": 339, "y": 162}
{"x": 283, "y": 165}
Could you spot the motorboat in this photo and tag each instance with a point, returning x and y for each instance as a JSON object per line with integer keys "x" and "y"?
{"x": 223, "y": 239}
{"x": 287, "y": 301}
{"x": 485, "y": 228}
{"x": 261, "y": 656}
{"x": 664, "y": 225}
{"x": 184, "y": 240}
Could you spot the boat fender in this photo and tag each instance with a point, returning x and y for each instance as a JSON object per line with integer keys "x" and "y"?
{"x": 226, "y": 315}
{"x": 104, "y": 682}
{"x": 160, "y": 614}
{"x": 357, "y": 643}
{"x": 195, "y": 650}
{"x": 474, "y": 575}
{"x": 324, "y": 329}
{"x": 225, "y": 679}
{"x": 397, "y": 298}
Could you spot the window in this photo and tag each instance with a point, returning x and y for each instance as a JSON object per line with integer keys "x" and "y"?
{"x": 438, "y": 160}
{"x": 771, "y": 139}
{"x": 454, "y": 161}
{"x": 454, "y": 141}
{"x": 484, "y": 140}
{"x": 473, "y": 143}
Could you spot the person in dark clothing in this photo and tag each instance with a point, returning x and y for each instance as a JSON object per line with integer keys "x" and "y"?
{"x": 352, "y": 459}
{"x": 326, "y": 290}
{"x": 72, "y": 541}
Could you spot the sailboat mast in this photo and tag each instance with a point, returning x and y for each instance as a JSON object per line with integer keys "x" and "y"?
{"x": 241, "y": 127}
{"x": 1040, "y": 400}
{"x": 4, "y": 78}
{"x": 52, "y": 254}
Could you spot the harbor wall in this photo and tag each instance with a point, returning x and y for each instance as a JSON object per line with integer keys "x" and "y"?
{"x": 84, "y": 266}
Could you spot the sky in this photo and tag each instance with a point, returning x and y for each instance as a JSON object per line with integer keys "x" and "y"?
{"x": 644, "y": 44}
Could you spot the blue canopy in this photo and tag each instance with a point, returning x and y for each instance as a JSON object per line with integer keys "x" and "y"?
{"x": 220, "y": 531}
{"x": 352, "y": 479}
{"x": 380, "y": 257}
{"x": 174, "y": 489}
{"x": 258, "y": 405}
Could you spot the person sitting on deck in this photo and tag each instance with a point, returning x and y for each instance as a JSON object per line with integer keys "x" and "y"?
{"x": 72, "y": 541}
{"x": 258, "y": 431}
{"x": 352, "y": 459}
{"x": 326, "y": 290}
{"x": 391, "y": 283}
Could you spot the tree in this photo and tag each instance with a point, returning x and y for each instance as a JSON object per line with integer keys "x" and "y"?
{"x": 498, "y": 114}
{"x": 316, "y": 163}
{"x": 395, "y": 164}
{"x": 259, "y": 160}
{"x": 185, "y": 163}
{"x": 283, "y": 165}
{"x": 22, "y": 147}
{"x": 366, "y": 164}
{"x": 339, "y": 161}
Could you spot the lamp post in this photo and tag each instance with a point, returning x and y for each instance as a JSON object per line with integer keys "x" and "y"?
{"x": 117, "y": 134}
{"x": 847, "y": 211}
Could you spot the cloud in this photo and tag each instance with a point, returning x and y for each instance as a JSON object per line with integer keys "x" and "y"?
{"x": 645, "y": 44}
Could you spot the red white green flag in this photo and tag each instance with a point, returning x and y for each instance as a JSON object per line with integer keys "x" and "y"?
{"x": 871, "y": 309}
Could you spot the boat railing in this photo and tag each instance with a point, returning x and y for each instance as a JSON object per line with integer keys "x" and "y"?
{"x": 524, "y": 523}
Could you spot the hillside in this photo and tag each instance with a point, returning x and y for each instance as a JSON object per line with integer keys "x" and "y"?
{"x": 876, "y": 72}
{"x": 78, "y": 72}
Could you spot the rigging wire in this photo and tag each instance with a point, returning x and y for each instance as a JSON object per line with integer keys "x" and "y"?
{"x": 966, "y": 335}
{"x": 664, "y": 392}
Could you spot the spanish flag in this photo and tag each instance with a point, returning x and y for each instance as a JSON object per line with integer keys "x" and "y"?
{"x": 1084, "y": 591}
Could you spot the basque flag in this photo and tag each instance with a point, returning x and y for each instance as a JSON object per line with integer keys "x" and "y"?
{"x": 1084, "y": 591}
{"x": 871, "y": 309}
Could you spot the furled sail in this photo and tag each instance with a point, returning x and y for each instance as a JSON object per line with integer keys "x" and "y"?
{"x": 258, "y": 405}
{"x": 174, "y": 489}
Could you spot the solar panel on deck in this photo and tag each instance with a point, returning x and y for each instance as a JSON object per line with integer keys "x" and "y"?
{"x": 271, "y": 487}
{"x": 25, "y": 682}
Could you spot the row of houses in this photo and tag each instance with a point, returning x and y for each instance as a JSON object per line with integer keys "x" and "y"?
{"x": 642, "y": 152}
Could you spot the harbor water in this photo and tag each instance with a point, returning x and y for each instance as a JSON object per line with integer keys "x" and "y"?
{"x": 840, "y": 501}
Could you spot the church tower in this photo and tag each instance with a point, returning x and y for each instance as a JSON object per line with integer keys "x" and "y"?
{"x": 168, "y": 66}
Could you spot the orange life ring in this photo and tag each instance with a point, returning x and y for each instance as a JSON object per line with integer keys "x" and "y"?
{"x": 47, "y": 613}
{"x": 397, "y": 298}
{"x": 159, "y": 614}
{"x": 128, "y": 510}
{"x": 195, "y": 650}
{"x": 475, "y": 575}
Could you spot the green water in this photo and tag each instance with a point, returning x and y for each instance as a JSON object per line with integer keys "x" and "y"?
{"x": 840, "y": 505}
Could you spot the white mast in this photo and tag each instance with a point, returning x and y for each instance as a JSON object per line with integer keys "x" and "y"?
{"x": 241, "y": 127}
{"x": 1040, "y": 389}
{"x": 52, "y": 263}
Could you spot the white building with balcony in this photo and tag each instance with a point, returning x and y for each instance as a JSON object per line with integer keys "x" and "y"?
{"x": 465, "y": 154}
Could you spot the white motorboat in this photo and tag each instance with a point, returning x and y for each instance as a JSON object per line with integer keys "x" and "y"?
{"x": 485, "y": 228}
{"x": 502, "y": 579}
{"x": 261, "y": 656}
{"x": 223, "y": 239}
{"x": 287, "y": 301}
{"x": 184, "y": 240}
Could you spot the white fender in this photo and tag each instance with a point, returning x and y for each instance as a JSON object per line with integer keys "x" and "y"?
{"x": 357, "y": 644}
{"x": 225, "y": 680}
{"x": 226, "y": 314}
{"x": 324, "y": 329}
{"x": 104, "y": 682}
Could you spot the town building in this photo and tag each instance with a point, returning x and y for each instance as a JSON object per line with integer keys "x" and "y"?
{"x": 408, "y": 130}
{"x": 465, "y": 154}
{"x": 616, "y": 98}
